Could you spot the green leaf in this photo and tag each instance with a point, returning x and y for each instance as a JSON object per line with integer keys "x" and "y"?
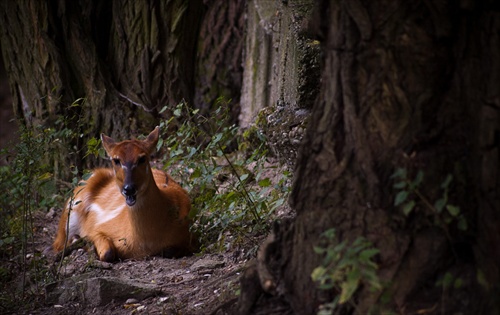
{"x": 325, "y": 310}
{"x": 408, "y": 207}
{"x": 329, "y": 234}
{"x": 447, "y": 280}
{"x": 349, "y": 286}
{"x": 367, "y": 254}
{"x": 439, "y": 205}
{"x": 330, "y": 256}
{"x": 399, "y": 173}
{"x": 416, "y": 182}
{"x": 217, "y": 138}
{"x": 481, "y": 279}
{"x": 266, "y": 182}
{"x": 164, "y": 108}
{"x": 418, "y": 179}
{"x": 278, "y": 202}
{"x": 458, "y": 283}
{"x": 326, "y": 285}
{"x": 447, "y": 181}
{"x": 319, "y": 250}
{"x": 318, "y": 273}
{"x": 159, "y": 144}
{"x": 45, "y": 176}
{"x": 462, "y": 224}
{"x": 400, "y": 197}
{"x": 178, "y": 111}
{"x": 176, "y": 152}
{"x": 196, "y": 173}
{"x": 7, "y": 240}
{"x": 92, "y": 142}
{"x": 400, "y": 185}
{"x": 192, "y": 152}
{"x": 453, "y": 210}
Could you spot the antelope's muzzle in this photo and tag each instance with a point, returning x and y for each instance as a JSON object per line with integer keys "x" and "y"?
{"x": 130, "y": 193}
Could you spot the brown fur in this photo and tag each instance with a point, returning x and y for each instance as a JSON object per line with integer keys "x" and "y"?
{"x": 158, "y": 221}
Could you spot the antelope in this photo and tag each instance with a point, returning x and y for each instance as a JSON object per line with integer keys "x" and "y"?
{"x": 129, "y": 210}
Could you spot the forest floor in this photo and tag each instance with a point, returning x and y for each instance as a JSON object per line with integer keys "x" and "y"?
{"x": 35, "y": 281}
{"x": 189, "y": 285}
{"x": 81, "y": 284}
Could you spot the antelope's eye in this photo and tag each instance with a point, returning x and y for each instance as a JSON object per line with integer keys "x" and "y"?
{"x": 116, "y": 162}
{"x": 141, "y": 160}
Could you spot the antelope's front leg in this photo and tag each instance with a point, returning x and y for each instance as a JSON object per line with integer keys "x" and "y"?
{"x": 105, "y": 248}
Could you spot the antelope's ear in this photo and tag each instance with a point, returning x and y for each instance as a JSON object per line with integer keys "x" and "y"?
{"x": 108, "y": 143}
{"x": 152, "y": 140}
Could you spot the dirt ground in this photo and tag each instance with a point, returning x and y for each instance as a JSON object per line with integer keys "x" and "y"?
{"x": 199, "y": 284}
{"x": 207, "y": 283}
{"x": 189, "y": 285}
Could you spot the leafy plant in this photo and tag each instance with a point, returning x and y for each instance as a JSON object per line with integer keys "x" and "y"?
{"x": 448, "y": 282}
{"x": 30, "y": 185}
{"x": 409, "y": 188}
{"x": 224, "y": 171}
{"x": 224, "y": 174}
{"x": 345, "y": 267}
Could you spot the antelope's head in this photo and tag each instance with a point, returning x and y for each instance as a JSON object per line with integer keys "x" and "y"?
{"x": 130, "y": 159}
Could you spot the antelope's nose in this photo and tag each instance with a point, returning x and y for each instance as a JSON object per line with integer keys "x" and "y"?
{"x": 129, "y": 190}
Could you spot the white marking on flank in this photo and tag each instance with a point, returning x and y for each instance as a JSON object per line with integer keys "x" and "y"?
{"x": 105, "y": 215}
{"x": 74, "y": 224}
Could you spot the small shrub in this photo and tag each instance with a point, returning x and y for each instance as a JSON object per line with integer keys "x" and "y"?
{"x": 345, "y": 268}
{"x": 409, "y": 196}
{"x": 225, "y": 176}
{"x": 30, "y": 185}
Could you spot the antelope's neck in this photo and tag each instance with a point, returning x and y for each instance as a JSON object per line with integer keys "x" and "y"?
{"x": 150, "y": 211}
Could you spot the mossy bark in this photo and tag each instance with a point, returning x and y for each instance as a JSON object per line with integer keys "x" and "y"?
{"x": 281, "y": 73}
{"x": 404, "y": 85}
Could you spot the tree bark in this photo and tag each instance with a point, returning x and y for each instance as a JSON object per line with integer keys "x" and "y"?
{"x": 219, "y": 55}
{"x": 127, "y": 59}
{"x": 152, "y": 50}
{"x": 408, "y": 85}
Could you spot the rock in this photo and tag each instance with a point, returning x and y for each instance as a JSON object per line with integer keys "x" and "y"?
{"x": 52, "y": 213}
{"x": 101, "y": 264}
{"x": 207, "y": 263}
{"x": 97, "y": 291}
{"x": 131, "y": 301}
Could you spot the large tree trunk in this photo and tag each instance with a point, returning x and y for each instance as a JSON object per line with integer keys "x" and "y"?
{"x": 410, "y": 85}
{"x": 127, "y": 59}
{"x": 153, "y": 48}
{"x": 219, "y": 57}
{"x": 108, "y": 53}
